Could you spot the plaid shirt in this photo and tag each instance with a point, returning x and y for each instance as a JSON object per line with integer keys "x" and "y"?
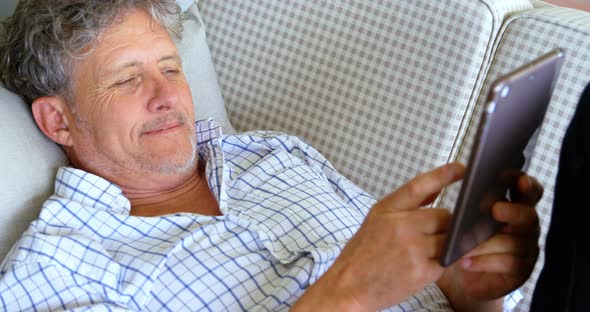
{"x": 286, "y": 216}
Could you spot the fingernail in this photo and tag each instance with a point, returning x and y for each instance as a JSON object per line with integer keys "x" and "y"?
{"x": 529, "y": 183}
{"x": 466, "y": 263}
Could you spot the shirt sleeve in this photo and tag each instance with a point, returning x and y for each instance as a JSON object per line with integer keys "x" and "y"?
{"x": 47, "y": 287}
{"x": 430, "y": 299}
{"x": 58, "y": 272}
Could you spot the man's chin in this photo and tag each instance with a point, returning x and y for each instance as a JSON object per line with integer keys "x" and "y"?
{"x": 174, "y": 166}
{"x": 172, "y": 157}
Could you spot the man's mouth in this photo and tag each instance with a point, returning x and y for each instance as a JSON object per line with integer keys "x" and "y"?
{"x": 165, "y": 128}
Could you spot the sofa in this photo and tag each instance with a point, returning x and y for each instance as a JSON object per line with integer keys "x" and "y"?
{"x": 385, "y": 89}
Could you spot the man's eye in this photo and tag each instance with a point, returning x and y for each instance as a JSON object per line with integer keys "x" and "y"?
{"x": 124, "y": 82}
{"x": 171, "y": 71}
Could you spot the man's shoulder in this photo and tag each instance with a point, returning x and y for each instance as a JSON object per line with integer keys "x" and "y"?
{"x": 79, "y": 200}
{"x": 76, "y": 188}
{"x": 268, "y": 140}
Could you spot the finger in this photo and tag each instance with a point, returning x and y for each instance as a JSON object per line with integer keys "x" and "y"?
{"x": 506, "y": 244}
{"x": 520, "y": 218}
{"x": 429, "y": 200}
{"x": 497, "y": 263}
{"x": 422, "y": 187}
{"x": 529, "y": 189}
{"x": 431, "y": 220}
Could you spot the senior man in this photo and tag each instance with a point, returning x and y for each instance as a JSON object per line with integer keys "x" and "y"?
{"x": 161, "y": 213}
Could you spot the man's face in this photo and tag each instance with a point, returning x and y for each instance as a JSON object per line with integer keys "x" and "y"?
{"x": 132, "y": 104}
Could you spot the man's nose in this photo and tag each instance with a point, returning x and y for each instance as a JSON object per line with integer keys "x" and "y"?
{"x": 164, "y": 95}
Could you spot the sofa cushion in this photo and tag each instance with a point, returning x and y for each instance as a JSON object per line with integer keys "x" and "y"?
{"x": 382, "y": 88}
{"x": 200, "y": 72}
{"x": 28, "y": 164}
{"x": 29, "y": 161}
{"x": 523, "y": 38}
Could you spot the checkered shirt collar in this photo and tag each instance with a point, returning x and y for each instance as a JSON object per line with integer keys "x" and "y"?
{"x": 93, "y": 191}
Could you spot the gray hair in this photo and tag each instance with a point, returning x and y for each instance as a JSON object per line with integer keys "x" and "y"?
{"x": 43, "y": 38}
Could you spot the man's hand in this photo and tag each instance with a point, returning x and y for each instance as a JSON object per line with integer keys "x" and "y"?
{"x": 504, "y": 262}
{"x": 393, "y": 255}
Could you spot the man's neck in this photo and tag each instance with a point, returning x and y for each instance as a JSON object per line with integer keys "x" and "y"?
{"x": 192, "y": 196}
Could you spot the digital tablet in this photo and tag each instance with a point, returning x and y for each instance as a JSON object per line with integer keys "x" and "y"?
{"x": 514, "y": 111}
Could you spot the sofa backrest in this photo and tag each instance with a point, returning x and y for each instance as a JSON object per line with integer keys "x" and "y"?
{"x": 524, "y": 37}
{"x": 388, "y": 89}
{"x": 382, "y": 88}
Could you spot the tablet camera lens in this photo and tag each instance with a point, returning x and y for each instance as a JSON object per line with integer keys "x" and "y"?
{"x": 505, "y": 91}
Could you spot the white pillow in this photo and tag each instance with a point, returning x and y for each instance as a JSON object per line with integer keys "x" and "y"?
{"x": 29, "y": 161}
{"x": 200, "y": 72}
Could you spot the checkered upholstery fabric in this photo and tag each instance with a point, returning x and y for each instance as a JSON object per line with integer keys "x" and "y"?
{"x": 382, "y": 88}
{"x": 523, "y": 38}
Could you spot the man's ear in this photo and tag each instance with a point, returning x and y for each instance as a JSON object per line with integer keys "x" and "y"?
{"x": 50, "y": 113}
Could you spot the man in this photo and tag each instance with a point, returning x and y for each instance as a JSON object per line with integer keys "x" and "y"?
{"x": 160, "y": 213}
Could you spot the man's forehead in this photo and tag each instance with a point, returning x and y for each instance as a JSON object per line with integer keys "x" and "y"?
{"x": 129, "y": 43}
{"x": 118, "y": 66}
